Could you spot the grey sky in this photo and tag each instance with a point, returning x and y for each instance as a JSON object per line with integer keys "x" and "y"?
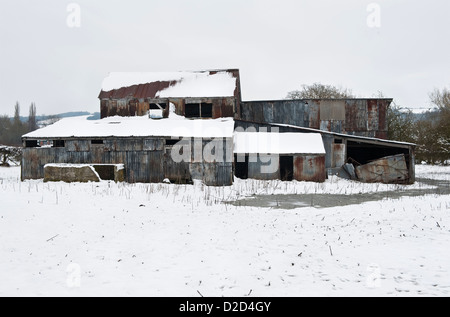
{"x": 278, "y": 46}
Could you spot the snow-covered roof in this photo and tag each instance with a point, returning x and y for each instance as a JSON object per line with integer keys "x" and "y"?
{"x": 175, "y": 126}
{"x": 278, "y": 143}
{"x": 221, "y": 83}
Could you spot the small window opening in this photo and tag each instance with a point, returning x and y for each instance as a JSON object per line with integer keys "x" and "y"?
{"x": 241, "y": 166}
{"x": 31, "y": 143}
{"x": 59, "y": 143}
{"x": 154, "y": 106}
{"x": 171, "y": 142}
{"x": 192, "y": 110}
{"x": 287, "y": 168}
{"x": 97, "y": 142}
{"x": 206, "y": 110}
{"x": 338, "y": 141}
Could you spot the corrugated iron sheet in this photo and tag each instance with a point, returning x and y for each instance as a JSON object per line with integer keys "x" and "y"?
{"x": 145, "y": 160}
{"x": 362, "y": 117}
{"x": 310, "y": 168}
{"x": 388, "y": 170}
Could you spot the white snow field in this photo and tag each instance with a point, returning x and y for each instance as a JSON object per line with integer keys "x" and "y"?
{"x": 107, "y": 239}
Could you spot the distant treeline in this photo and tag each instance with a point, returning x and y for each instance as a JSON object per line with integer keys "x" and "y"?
{"x": 12, "y": 129}
{"x": 429, "y": 130}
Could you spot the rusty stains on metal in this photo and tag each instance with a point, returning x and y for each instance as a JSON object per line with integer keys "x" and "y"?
{"x": 388, "y": 170}
{"x": 310, "y": 168}
{"x": 149, "y": 90}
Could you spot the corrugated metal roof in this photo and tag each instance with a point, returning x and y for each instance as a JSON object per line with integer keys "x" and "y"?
{"x": 211, "y": 83}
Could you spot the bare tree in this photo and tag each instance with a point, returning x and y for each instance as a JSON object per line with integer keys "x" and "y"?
{"x": 17, "y": 114}
{"x": 441, "y": 98}
{"x": 320, "y": 91}
{"x": 32, "y": 125}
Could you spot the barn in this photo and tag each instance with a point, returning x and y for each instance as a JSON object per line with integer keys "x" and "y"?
{"x": 204, "y": 94}
{"x": 283, "y": 156}
{"x": 147, "y": 118}
{"x": 151, "y": 151}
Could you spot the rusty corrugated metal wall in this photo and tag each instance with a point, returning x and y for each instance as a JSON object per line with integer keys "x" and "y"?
{"x": 391, "y": 169}
{"x": 146, "y": 160}
{"x": 310, "y": 168}
{"x": 359, "y": 117}
{"x": 131, "y": 107}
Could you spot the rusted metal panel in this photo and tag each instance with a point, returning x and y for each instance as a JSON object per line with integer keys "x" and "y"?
{"x": 391, "y": 169}
{"x": 128, "y": 144}
{"x": 220, "y": 174}
{"x": 383, "y": 106}
{"x": 224, "y": 174}
{"x": 314, "y": 114}
{"x": 372, "y": 115}
{"x": 78, "y": 146}
{"x": 97, "y": 156}
{"x": 217, "y": 108}
{"x": 117, "y": 102}
{"x": 356, "y": 117}
{"x": 228, "y": 107}
{"x": 339, "y": 151}
{"x": 269, "y": 112}
{"x": 325, "y": 126}
{"x": 259, "y": 168}
{"x": 328, "y": 144}
{"x": 196, "y": 171}
{"x": 176, "y": 172}
{"x": 331, "y": 110}
{"x": 310, "y": 168}
{"x": 137, "y": 91}
{"x": 143, "y": 107}
{"x": 153, "y": 145}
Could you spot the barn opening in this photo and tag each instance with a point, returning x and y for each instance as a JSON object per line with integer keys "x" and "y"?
{"x": 106, "y": 172}
{"x": 192, "y": 110}
{"x": 287, "y": 168}
{"x": 59, "y": 143}
{"x": 31, "y": 143}
{"x": 97, "y": 142}
{"x": 364, "y": 153}
{"x": 158, "y": 106}
{"x": 206, "y": 110}
{"x": 199, "y": 110}
{"x": 172, "y": 142}
{"x": 241, "y": 168}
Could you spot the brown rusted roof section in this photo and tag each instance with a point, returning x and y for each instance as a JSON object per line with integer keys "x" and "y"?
{"x": 137, "y": 91}
{"x": 150, "y": 90}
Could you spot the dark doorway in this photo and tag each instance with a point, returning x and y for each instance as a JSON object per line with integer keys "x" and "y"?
{"x": 287, "y": 168}
{"x": 364, "y": 153}
{"x": 207, "y": 111}
{"x": 241, "y": 168}
{"x": 106, "y": 172}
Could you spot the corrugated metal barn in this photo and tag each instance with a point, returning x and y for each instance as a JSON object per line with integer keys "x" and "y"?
{"x": 205, "y": 94}
{"x": 150, "y": 150}
{"x": 353, "y": 132}
{"x": 283, "y": 156}
{"x": 360, "y": 117}
{"x": 342, "y": 148}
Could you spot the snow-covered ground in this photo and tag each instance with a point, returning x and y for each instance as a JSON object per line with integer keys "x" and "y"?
{"x": 111, "y": 239}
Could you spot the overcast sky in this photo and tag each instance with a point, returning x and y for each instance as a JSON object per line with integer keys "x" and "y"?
{"x": 278, "y": 46}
